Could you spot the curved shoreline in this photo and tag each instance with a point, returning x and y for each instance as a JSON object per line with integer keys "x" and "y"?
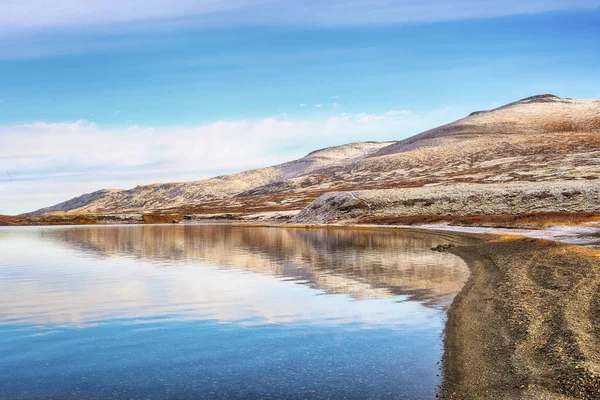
{"x": 526, "y": 324}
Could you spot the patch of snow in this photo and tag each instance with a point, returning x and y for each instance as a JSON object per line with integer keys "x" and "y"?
{"x": 564, "y": 234}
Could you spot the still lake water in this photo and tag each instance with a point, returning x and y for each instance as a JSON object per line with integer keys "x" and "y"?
{"x": 214, "y": 311}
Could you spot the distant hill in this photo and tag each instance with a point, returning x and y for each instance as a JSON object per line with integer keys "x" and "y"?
{"x": 183, "y": 194}
{"x": 538, "y": 139}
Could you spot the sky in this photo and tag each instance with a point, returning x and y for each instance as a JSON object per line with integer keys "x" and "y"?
{"x": 112, "y": 94}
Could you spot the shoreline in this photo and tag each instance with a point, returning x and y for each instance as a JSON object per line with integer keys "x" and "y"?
{"x": 526, "y": 324}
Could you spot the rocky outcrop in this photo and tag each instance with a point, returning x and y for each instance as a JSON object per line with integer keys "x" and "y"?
{"x": 461, "y": 199}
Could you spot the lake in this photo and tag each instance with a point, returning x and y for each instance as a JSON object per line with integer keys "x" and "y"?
{"x": 222, "y": 312}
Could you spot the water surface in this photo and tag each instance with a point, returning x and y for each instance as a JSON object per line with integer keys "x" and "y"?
{"x": 213, "y": 311}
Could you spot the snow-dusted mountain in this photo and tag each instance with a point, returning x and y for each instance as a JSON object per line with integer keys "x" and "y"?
{"x": 541, "y": 138}
{"x": 184, "y": 194}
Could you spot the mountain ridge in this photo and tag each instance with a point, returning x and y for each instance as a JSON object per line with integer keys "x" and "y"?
{"x": 313, "y": 161}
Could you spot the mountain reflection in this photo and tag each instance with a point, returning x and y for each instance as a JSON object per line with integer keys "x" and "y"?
{"x": 357, "y": 262}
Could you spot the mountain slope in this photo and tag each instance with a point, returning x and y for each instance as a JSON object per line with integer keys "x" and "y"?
{"x": 541, "y": 138}
{"x": 76, "y": 202}
{"x": 169, "y": 195}
{"x": 535, "y": 115}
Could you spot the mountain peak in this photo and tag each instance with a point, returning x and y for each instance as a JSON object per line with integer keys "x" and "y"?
{"x": 533, "y": 115}
{"x": 537, "y": 99}
{"x": 540, "y": 98}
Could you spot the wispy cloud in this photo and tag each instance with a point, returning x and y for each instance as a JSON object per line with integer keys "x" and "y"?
{"x": 302, "y": 105}
{"x": 38, "y": 28}
{"x": 31, "y": 15}
{"x": 44, "y": 163}
{"x": 318, "y": 105}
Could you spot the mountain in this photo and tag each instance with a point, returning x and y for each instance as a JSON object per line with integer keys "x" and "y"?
{"x": 542, "y": 138}
{"x": 77, "y": 202}
{"x": 535, "y": 139}
{"x": 171, "y": 195}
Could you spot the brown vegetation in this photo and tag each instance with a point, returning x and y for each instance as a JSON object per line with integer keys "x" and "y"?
{"x": 64, "y": 219}
{"x": 161, "y": 218}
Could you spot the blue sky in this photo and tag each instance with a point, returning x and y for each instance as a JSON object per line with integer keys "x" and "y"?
{"x": 109, "y": 93}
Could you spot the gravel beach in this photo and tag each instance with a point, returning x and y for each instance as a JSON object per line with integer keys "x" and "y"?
{"x": 526, "y": 324}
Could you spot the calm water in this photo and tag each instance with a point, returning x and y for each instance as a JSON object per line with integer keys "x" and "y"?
{"x": 199, "y": 311}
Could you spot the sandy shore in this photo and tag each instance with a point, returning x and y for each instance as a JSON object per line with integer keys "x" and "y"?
{"x": 526, "y": 324}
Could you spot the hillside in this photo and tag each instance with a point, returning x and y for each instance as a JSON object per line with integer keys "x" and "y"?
{"x": 170, "y": 195}
{"x": 536, "y": 139}
{"x": 539, "y": 139}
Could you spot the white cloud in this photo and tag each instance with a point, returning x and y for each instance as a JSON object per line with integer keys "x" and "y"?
{"x": 335, "y": 97}
{"x": 76, "y": 126}
{"x": 302, "y": 105}
{"x": 44, "y": 163}
{"x": 318, "y": 105}
{"x": 334, "y": 104}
